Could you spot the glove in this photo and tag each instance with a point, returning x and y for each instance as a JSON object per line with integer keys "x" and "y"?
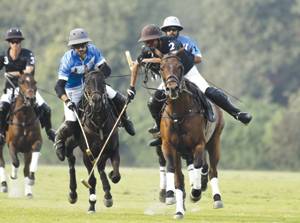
{"x": 70, "y": 104}
{"x": 130, "y": 93}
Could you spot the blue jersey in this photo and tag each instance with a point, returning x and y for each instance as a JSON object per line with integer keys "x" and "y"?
{"x": 72, "y": 68}
{"x": 190, "y": 45}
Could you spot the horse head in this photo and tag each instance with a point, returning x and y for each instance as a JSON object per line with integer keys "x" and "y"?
{"x": 27, "y": 87}
{"x": 172, "y": 74}
{"x": 95, "y": 91}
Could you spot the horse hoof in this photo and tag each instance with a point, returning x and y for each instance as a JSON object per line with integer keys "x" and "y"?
{"x": 29, "y": 195}
{"x": 114, "y": 178}
{"x": 218, "y": 204}
{"x": 178, "y": 215}
{"x": 170, "y": 198}
{"x": 3, "y": 188}
{"x": 72, "y": 197}
{"x": 13, "y": 178}
{"x": 162, "y": 195}
{"x": 91, "y": 210}
{"x": 108, "y": 202}
{"x": 195, "y": 195}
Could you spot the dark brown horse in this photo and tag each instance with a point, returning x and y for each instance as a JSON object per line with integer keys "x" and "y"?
{"x": 97, "y": 119}
{"x": 186, "y": 132}
{"x": 24, "y": 134}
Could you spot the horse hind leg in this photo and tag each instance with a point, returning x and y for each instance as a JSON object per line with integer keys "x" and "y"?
{"x": 3, "y": 186}
{"x": 115, "y": 175}
{"x": 204, "y": 173}
{"x": 214, "y": 157}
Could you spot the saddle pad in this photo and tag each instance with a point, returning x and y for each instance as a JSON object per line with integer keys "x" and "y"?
{"x": 211, "y": 126}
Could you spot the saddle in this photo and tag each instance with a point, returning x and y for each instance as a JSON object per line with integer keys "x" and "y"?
{"x": 201, "y": 100}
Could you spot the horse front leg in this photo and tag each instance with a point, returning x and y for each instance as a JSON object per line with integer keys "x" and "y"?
{"x": 36, "y": 148}
{"x": 196, "y": 191}
{"x": 15, "y": 161}
{"x": 3, "y": 186}
{"x": 162, "y": 174}
{"x": 27, "y": 181}
{"x": 92, "y": 182}
{"x": 73, "y": 182}
{"x": 108, "y": 200}
{"x": 170, "y": 155}
{"x": 179, "y": 191}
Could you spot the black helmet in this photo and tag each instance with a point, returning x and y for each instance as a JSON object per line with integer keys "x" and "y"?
{"x": 150, "y": 32}
{"x": 14, "y": 33}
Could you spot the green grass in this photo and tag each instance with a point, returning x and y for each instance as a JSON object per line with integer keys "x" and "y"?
{"x": 248, "y": 197}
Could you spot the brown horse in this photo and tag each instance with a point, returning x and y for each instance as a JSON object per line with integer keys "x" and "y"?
{"x": 24, "y": 134}
{"x": 186, "y": 132}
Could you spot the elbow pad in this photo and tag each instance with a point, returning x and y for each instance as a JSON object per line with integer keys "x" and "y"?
{"x": 105, "y": 69}
{"x": 60, "y": 88}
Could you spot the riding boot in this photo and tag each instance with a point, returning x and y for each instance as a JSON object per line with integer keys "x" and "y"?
{"x": 4, "y": 110}
{"x": 65, "y": 130}
{"x": 119, "y": 102}
{"x": 44, "y": 113}
{"x": 220, "y": 99}
{"x": 155, "y": 105}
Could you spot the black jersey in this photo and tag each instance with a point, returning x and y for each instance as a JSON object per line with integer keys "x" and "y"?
{"x": 166, "y": 45}
{"x": 25, "y": 58}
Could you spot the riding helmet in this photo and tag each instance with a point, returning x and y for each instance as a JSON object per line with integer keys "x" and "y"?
{"x": 150, "y": 32}
{"x": 78, "y": 36}
{"x": 14, "y": 33}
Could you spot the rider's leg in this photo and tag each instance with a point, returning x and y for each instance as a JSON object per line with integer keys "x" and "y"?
{"x": 217, "y": 96}
{"x": 119, "y": 101}
{"x": 4, "y": 110}
{"x": 155, "y": 105}
{"x": 65, "y": 130}
{"x": 44, "y": 111}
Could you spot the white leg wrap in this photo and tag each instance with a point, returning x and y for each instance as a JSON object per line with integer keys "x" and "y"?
{"x": 28, "y": 187}
{"x": 14, "y": 172}
{"x": 179, "y": 201}
{"x": 2, "y": 174}
{"x": 190, "y": 169}
{"x": 215, "y": 186}
{"x": 162, "y": 177}
{"x": 34, "y": 162}
{"x": 93, "y": 197}
{"x": 197, "y": 178}
{"x": 170, "y": 181}
{"x": 110, "y": 92}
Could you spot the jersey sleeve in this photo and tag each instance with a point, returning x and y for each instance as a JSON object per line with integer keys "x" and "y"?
{"x": 64, "y": 69}
{"x": 30, "y": 59}
{"x": 99, "y": 58}
{"x": 1, "y": 62}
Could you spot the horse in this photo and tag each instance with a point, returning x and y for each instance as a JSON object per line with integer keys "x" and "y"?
{"x": 24, "y": 133}
{"x": 186, "y": 132}
{"x": 97, "y": 119}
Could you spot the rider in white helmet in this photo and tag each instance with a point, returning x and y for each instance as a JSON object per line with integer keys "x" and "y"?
{"x": 171, "y": 26}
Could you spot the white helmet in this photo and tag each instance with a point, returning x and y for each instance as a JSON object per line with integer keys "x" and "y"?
{"x": 78, "y": 36}
{"x": 171, "y": 21}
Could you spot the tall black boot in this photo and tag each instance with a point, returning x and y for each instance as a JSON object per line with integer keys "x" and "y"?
{"x": 44, "y": 113}
{"x": 66, "y": 130}
{"x": 220, "y": 99}
{"x": 119, "y": 102}
{"x": 4, "y": 109}
{"x": 155, "y": 105}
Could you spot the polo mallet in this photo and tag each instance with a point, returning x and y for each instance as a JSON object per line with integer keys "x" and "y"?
{"x": 85, "y": 182}
{"x": 88, "y": 151}
{"x": 129, "y": 59}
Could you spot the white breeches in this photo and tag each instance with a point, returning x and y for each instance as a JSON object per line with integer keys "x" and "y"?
{"x": 75, "y": 95}
{"x": 8, "y": 96}
{"x": 194, "y": 76}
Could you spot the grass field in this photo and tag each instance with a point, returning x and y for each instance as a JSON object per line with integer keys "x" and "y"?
{"x": 248, "y": 197}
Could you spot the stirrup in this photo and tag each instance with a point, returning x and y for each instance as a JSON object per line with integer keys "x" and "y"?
{"x": 155, "y": 142}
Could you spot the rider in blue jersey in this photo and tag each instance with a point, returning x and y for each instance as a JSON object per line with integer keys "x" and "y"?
{"x": 82, "y": 58}
{"x": 171, "y": 26}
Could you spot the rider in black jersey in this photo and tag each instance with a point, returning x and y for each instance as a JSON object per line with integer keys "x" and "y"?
{"x": 16, "y": 61}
